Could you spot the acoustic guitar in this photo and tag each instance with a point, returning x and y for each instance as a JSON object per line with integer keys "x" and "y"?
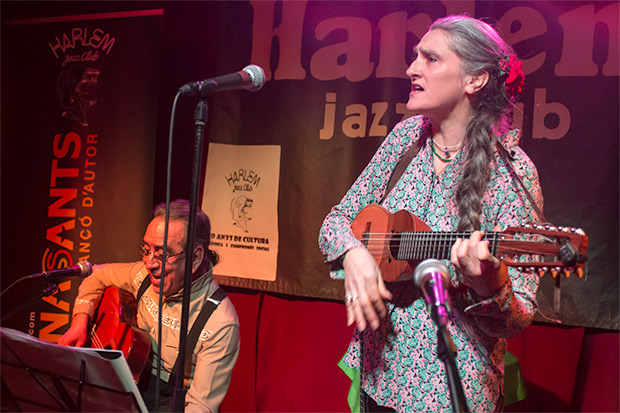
{"x": 115, "y": 328}
{"x": 399, "y": 241}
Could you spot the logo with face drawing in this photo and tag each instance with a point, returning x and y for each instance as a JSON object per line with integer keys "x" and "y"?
{"x": 241, "y": 208}
{"x": 76, "y": 88}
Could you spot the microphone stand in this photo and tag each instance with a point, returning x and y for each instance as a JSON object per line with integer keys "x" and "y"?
{"x": 446, "y": 352}
{"x": 48, "y": 290}
{"x": 200, "y": 120}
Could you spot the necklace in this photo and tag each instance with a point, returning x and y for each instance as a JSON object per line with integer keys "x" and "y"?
{"x": 440, "y": 158}
{"x": 446, "y": 149}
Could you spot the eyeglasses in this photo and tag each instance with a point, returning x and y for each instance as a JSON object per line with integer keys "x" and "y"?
{"x": 157, "y": 254}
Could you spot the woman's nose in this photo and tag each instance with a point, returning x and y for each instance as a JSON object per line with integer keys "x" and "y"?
{"x": 411, "y": 70}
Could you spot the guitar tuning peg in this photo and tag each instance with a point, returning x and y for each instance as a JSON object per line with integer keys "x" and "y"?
{"x": 554, "y": 273}
{"x": 541, "y": 272}
{"x": 580, "y": 272}
{"x": 567, "y": 273}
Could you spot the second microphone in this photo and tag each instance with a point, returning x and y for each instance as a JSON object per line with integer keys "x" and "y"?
{"x": 251, "y": 78}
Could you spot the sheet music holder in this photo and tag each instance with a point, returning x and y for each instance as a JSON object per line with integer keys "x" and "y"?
{"x": 42, "y": 376}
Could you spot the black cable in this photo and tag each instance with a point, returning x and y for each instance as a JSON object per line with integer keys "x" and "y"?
{"x": 165, "y": 247}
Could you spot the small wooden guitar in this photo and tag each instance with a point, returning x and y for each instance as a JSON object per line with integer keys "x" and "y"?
{"x": 399, "y": 241}
{"x": 114, "y": 328}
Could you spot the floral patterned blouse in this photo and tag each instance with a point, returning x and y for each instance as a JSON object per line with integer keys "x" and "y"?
{"x": 401, "y": 369}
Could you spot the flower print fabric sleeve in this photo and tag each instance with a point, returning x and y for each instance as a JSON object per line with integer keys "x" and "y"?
{"x": 335, "y": 236}
{"x": 511, "y": 310}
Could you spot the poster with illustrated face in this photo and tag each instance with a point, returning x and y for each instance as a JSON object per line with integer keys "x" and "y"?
{"x": 241, "y": 199}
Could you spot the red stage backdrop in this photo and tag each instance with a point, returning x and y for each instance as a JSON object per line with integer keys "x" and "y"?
{"x": 78, "y": 137}
{"x": 337, "y": 85}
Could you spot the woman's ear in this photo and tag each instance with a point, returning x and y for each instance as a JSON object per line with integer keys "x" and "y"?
{"x": 476, "y": 82}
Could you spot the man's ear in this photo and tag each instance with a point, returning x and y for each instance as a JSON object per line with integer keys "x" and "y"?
{"x": 476, "y": 82}
{"x": 199, "y": 254}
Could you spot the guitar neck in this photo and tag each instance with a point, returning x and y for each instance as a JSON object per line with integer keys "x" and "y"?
{"x": 422, "y": 245}
{"x": 398, "y": 241}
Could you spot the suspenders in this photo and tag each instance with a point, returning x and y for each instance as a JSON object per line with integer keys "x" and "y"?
{"x": 192, "y": 338}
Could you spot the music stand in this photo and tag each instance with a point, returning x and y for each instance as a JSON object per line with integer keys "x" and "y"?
{"x": 42, "y": 376}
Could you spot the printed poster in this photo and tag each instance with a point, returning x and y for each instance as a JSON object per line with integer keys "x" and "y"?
{"x": 241, "y": 199}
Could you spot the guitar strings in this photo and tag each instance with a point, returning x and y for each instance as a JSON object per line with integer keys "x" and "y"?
{"x": 97, "y": 343}
{"x": 421, "y": 244}
{"x": 428, "y": 238}
{"x": 412, "y": 245}
{"x": 430, "y": 234}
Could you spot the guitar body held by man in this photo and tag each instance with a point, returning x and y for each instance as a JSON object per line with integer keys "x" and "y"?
{"x": 115, "y": 327}
{"x": 212, "y": 345}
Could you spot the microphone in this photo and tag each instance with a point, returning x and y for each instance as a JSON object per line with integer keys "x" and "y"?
{"x": 82, "y": 269}
{"x": 431, "y": 276}
{"x": 251, "y": 78}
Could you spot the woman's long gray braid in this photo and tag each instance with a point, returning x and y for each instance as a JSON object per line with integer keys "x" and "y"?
{"x": 480, "y": 48}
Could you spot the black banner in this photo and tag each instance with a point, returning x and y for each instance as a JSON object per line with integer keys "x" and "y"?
{"x": 337, "y": 85}
{"x": 78, "y": 133}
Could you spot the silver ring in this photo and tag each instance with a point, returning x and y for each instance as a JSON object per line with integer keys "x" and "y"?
{"x": 349, "y": 300}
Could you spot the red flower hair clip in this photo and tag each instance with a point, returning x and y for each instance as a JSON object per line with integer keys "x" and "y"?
{"x": 511, "y": 72}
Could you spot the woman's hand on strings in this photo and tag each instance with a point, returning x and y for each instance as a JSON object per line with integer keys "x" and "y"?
{"x": 365, "y": 290}
{"x": 481, "y": 271}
